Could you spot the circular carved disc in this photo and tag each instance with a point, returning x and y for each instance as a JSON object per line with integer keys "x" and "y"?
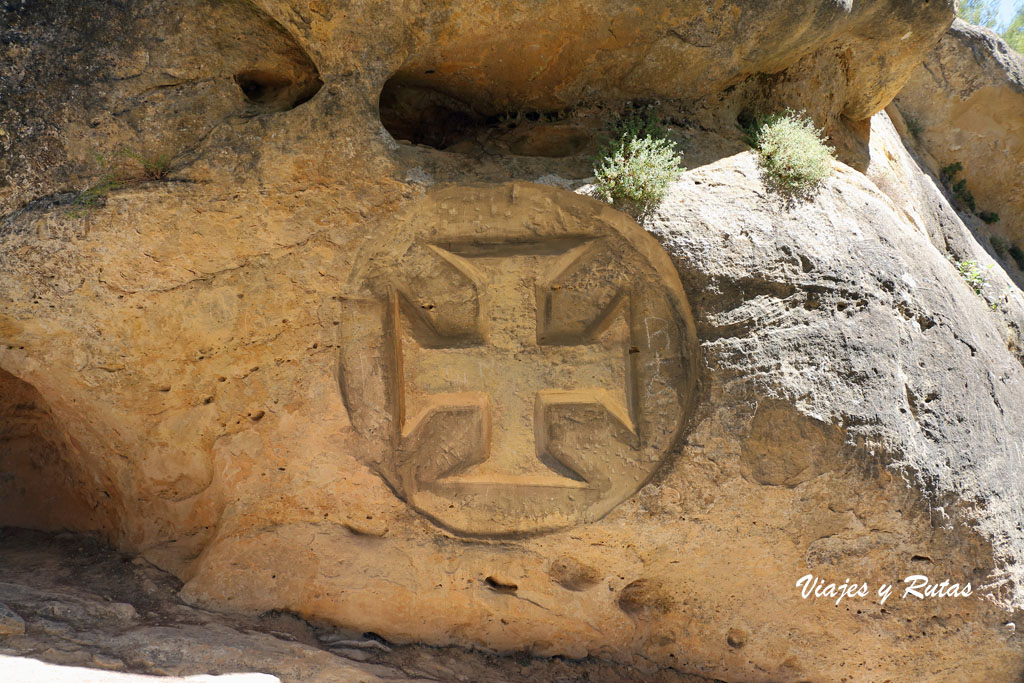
{"x": 524, "y": 358}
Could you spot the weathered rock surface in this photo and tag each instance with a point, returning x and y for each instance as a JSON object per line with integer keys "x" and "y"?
{"x": 967, "y": 103}
{"x": 234, "y": 369}
{"x": 10, "y": 623}
{"x": 102, "y": 87}
{"x": 95, "y": 615}
{"x": 25, "y": 670}
{"x": 504, "y": 55}
{"x": 902, "y": 173}
{"x": 814, "y": 376}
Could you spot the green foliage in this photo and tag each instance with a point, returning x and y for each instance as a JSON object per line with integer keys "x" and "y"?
{"x": 1018, "y": 255}
{"x": 125, "y": 167}
{"x": 949, "y": 172}
{"x": 636, "y": 165}
{"x": 914, "y": 126}
{"x": 959, "y": 189}
{"x": 977, "y": 277}
{"x": 964, "y": 195}
{"x": 1000, "y": 246}
{"x": 93, "y": 196}
{"x": 974, "y": 275}
{"x": 792, "y": 151}
{"x": 1014, "y": 33}
{"x": 979, "y": 12}
{"x": 153, "y": 167}
{"x": 986, "y": 13}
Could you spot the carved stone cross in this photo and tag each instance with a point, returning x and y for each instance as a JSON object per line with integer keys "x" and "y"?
{"x": 518, "y": 358}
{"x": 516, "y": 372}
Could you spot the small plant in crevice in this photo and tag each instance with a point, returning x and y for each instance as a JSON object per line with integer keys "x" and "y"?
{"x": 91, "y": 197}
{"x": 974, "y": 275}
{"x": 914, "y": 126}
{"x": 959, "y": 190}
{"x": 792, "y": 151}
{"x": 153, "y": 167}
{"x": 1017, "y": 254}
{"x": 948, "y": 173}
{"x": 125, "y": 167}
{"x": 637, "y": 163}
{"x": 1000, "y": 246}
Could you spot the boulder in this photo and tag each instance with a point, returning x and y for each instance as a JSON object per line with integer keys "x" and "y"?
{"x": 965, "y": 104}
{"x": 447, "y": 398}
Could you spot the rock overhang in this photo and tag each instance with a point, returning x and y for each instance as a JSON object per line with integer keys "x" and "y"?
{"x": 216, "y": 365}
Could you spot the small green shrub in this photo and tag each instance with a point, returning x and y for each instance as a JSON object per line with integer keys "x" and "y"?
{"x": 792, "y": 151}
{"x": 948, "y": 173}
{"x": 959, "y": 189}
{"x": 964, "y": 195}
{"x": 635, "y": 167}
{"x": 974, "y": 275}
{"x": 1000, "y": 246}
{"x": 914, "y": 126}
{"x": 153, "y": 167}
{"x": 1018, "y": 255}
{"x": 124, "y": 168}
{"x": 93, "y": 196}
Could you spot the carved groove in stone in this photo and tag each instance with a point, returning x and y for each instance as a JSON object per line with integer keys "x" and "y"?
{"x": 535, "y": 361}
{"x": 509, "y": 455}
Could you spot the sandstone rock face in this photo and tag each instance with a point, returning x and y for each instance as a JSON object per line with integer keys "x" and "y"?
{"x": 102, "y": 88}
{"x": 94, "y": 616}
{"x": 444, "y": 399}
{"x": 36, "y": 467}
{"x": 967, "y": 100}
{"x": 654, "y": 50}
{"x": 900, "y": 173}
{"x": 525, "y": 360}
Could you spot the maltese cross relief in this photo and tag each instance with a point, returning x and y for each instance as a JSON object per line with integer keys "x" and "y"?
{"x": 517, "y": 366}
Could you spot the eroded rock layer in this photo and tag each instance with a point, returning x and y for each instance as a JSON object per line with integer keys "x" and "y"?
{"x": 443, "y": 397}
{"x": 964, "y": 107}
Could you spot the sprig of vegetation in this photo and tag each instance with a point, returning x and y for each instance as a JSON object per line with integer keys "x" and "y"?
{"x": 914, "y": 126}
{"x": 637, "y": 163}
{"x": 153, "y": 167}
{"x": 977, "y": 277}
{"x": 959, "y": 189}
{"x": 792, "y": 151}
{"x": 974, "y": 275}
{"x": 124, "y": 167}
{"x": 1018, "y": 255}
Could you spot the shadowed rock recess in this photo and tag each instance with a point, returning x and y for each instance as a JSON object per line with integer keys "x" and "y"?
{"x": 309, "y": 311}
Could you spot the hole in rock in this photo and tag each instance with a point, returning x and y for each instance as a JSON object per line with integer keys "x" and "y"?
{"x": 295, "y": 81}
{"x": 426, "y": 115}
{"x": 736, "y": 638}
{"x": 499, "y": 586}
{"x": 41, "y": 482}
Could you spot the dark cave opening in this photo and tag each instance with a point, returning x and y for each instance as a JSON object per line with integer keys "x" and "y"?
{"x": 429, "y": 116}
{"x": 276, "y": 90}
